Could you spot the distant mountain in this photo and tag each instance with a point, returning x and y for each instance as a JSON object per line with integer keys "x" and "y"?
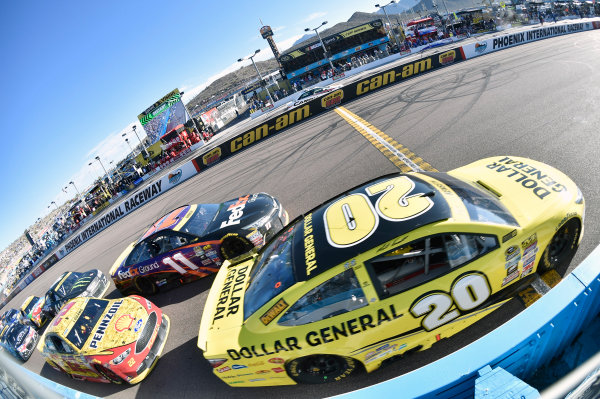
{"x": 303, "y": 38}
{"x": 399, "y": 7}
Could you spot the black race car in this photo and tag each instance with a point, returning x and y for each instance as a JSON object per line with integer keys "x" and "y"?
{"x": 192, "y": 241}
{"x": 18, "y": 339}
{"x": 72, "y": 285}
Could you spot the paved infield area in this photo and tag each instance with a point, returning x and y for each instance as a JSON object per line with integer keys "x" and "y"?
{"x": 540, "y": 100}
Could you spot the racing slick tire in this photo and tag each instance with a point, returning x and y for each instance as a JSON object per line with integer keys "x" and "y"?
{"x": 318, "y": 369}
{"x": 109, "y": 374}
{"x": 561, "y": 249}
{"x": 145, "y": 286}
{"x": 233, "y": 246}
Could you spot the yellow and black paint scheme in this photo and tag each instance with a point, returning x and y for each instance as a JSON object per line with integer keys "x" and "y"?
{"x": 102, "y": 340}
{"x": 391, "y": 266}
{"x": 32, "y": 309}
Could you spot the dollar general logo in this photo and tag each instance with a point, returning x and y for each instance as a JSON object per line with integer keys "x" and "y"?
{"x": 332, "y": 99}
{"x": 212, "y": 157}
{"x": 448, "y": 57}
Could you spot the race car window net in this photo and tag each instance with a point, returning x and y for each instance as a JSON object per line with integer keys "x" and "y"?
{"x": 84, "y": 326}
{"x": 338, "y": 295}
{"x": 272, "y": 273}
{"x": 201, "y": 219}
{"x": 421, "y": 261}
{"x": 481, "y": 205}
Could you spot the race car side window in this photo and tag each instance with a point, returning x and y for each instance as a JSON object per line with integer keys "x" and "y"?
{"x": 340, "y": 294}
{"x": 420, "y": 261}
{"x": 56, "y": 344}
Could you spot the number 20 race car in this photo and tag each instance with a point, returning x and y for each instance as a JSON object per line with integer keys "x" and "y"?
{"x": 192, "y": 241}
{"x": 393, "y": 265}
{"x": 106, "y": 340}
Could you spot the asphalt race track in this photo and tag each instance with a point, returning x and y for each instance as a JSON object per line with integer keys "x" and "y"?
{"x": 539, "y": 100}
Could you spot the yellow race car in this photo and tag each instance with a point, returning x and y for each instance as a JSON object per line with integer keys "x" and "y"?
{"x": 391, "y": 266}
{"x": 102, "y": 340}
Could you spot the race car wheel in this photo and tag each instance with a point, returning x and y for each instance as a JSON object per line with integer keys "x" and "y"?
{"x": 234, "y": 245}
{"x": 318, "y": 369}
{"x": 561, "y": 249}
{"x": 145, "y": 286}
{"x": 109, "y": 374}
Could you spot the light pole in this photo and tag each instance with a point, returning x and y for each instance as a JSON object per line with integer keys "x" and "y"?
{"x": 92, "y": 164}
{"x": 138, "y": 137}
{"x": 389, "y": 22}
{"x": 325, "y": 53}
{"x": 251, "y": 58}
{"x": 127, "y": 141}
{"x": 105, "y": 172}
{"x": 80, "y": 197}
{"x": 54, "y": 205}
{"x": 190, "y": 114}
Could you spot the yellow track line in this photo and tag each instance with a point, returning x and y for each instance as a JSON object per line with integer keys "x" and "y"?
{"x": 402, "y": 157}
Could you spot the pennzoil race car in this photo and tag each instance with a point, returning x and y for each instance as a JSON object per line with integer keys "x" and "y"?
{"x": 69, "y": 285}
{"x": 31, "y": 310}
{"x": 102, "y": 340}
{"x": 192, "y": 241}
{"x": 19, "y": 339}
{"x": 391, "y": 266}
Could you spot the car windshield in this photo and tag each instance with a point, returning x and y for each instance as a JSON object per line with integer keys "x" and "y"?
{"x": 67, "y": 285}
{"x": 30, "y": 306}
{"x": 201, "y": 219}
{"x": 15, "y": 335}
{"x": 86, "y": 322}
{"x": 482, "y": 206}
{"x": 272, "y": 273}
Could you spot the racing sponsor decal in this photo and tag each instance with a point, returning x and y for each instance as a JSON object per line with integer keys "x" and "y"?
{"x": 260, "y": 132}
{"x": 529, "y": 244}
{"x": 332, "y": 99}
{"x": 138, "y": 325}
{"x": 275, "y": 311}
{"x": 480, "y": 47}
{"x": 131, "y": 362}
{"x": 278, "y": 370}
{"x": 383, "y": 351}
{"x": 142, "y": 196}
{"x": 143, "y": 269}
{"x": 510, "y": 277}
{"x": 334, "y": 332}
{"x": 256, "y": 238}
{"x": 309, "y": 245}
{"x": 174, "y": 177}
{"x": 509, "y": 236}
{"x": 512, "y": 262}
{"x": 106, "y": 220}
{"x": 263, "y": 371}
{"x": 512, "y": 252}
{"x": 448, "y": 57}
{"x": 198, "y": 251}
{"x": 399, "y": 73}
{"x": 540, "y": 183}
{"x": 239, "y": 366}
{"x": 237, "y": 210}
{"x": 101, "y": 329}
{"x": 230, "y": 293}
{"x": 212, "y": 157}
{"x": 257, "y": 379}
{"x": 276, "y": 360}
{"x": 564, "y": 220}
{"x": 124, "y": 322}
{"x": 224, "y": 369}
{"x": 527, "y": 268}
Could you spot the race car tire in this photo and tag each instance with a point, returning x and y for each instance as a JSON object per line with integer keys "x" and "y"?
{"x": 561, "y": 249}
{"x": 109, "y": 374}
{"x": 318, "y": 369}
{"x": 233, "y": 246}
{"x": 145, "y": 286}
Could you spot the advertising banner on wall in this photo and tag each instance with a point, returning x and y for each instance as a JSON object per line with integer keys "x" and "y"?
{"x": 164, "y": 115}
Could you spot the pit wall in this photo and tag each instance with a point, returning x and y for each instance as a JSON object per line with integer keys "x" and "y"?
{"x": 275, "y": 125}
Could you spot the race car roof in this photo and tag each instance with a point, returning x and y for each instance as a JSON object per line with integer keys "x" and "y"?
{"x": 171, "y": 220}
{"x": 313, "y": 252}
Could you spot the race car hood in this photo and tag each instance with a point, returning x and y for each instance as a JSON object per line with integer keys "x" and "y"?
{"x": 121, "y": 324}
{"x": 242, "y": 212}
{"x": 224, "y": 308}
{"x": 527, "y": 188}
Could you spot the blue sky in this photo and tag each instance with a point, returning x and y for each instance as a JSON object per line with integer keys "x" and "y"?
{"x": 76, "y": 74}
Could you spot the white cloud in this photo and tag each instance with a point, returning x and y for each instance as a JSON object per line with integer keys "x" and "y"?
{"x": 314, "y": 16}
